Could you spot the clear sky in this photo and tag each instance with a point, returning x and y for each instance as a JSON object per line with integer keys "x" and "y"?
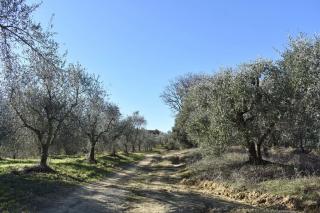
{"x": 137, "y": 46}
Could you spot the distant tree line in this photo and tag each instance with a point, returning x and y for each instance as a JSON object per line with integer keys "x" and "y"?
{"x": 257, "y": 105}
{"x": 50, "y": 106}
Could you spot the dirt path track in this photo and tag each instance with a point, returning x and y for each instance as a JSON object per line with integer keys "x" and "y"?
{"x": 149, "y": 186}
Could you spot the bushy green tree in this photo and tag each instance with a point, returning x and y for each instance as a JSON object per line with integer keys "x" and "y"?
{"x": 257, "y": 104}
{"x": 236, "y": 107}
{"x": 174, "y": 96}
{"x": 301, "y": 63}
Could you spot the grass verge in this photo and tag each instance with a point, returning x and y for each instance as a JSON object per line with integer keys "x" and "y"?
{"x": 275, "y": 184}
{"x": 26, "y": 192}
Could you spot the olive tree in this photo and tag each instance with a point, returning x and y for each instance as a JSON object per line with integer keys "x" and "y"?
{"x": 138, "y": 122}
{"x": 206, "y": 112}
{"x": 98, "y": 117}
{"x": 43, "y": 93}
{"x": 174, "y": 96}
{"x": 127, "y": 134}
{"x": 235, "y": 107}
{"x": 100, "y": 120}
{"x": 112, "y": 137}
{"x": 301, "y": 62}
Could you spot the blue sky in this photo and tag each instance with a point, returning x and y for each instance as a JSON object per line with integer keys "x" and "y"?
{"x": 137, "y": 46}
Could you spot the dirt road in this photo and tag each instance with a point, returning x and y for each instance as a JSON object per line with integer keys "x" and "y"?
{"x": 149, "y": 186}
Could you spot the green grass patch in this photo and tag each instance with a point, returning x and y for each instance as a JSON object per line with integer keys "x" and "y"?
{"x": 306, "y": 188}
{"x": 22, "y": 192}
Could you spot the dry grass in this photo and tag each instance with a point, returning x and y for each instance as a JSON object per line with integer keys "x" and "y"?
{"x": 289, "y": 173}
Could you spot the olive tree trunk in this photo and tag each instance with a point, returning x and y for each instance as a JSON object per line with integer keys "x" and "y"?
{"x": 44, "y": 155}
{"x": 91, "y": 156}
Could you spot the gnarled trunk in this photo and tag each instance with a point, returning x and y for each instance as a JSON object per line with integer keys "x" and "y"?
{"x": 253, "y": 155}
{"x": 125, "y": 149}
{"x": 44, "y": 155}
{"x": 91, "y": 156}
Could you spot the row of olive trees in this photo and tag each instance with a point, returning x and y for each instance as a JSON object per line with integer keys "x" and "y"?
{"x": 257, "y": 104}
{"x": 49, "y": 102}
{"x": 43, "y": 93}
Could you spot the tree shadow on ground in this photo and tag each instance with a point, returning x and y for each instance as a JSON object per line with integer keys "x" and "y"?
{"x": 89, "y": 199}
{"x": 22, "y": 192}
